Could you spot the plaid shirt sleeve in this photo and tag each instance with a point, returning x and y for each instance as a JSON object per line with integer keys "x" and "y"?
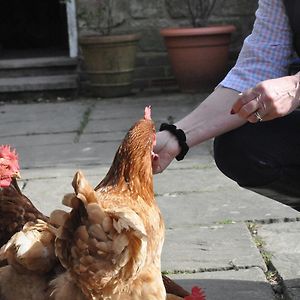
{"x": 266, "y": 52}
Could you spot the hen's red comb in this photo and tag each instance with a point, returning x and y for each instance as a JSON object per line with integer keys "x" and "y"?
{"x": 6, "y": 152}
{"x": 197, "y": 294}
{"x": 147, "y": 115}
{"x": 9, "y": 165}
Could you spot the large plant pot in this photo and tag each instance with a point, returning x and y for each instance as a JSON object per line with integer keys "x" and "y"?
{"x": 109, "y": 63}
{"x": 198, "y": 56}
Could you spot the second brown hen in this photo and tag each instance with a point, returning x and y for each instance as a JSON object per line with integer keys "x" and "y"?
{"x": 15, "y": 208}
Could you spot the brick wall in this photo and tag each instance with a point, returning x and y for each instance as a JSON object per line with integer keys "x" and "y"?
{"x": 148, "y": 17}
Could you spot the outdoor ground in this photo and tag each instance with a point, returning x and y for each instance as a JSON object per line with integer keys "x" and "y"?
{"x": 235, "y": 244}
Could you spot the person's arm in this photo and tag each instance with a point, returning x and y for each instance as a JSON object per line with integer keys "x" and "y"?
{"x": 226, "y": 109}
{"x": 211, "y": 118}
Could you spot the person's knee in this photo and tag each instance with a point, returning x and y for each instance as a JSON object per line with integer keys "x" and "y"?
{"x": 243, "y": 162}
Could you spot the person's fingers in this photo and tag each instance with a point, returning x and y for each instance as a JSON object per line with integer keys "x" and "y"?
{"x": 244, "y": 99}
{"x": 156, "y": 168}
{"x": 248, "y": 109}
{"x": 251, "y": 106}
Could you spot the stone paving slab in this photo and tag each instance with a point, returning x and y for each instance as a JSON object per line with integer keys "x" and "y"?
{"x": 93, "y": 172}
{"x": 247, "y": 284}
{"x": 121, "y": 124}
{"x": 194, "y": 248}
{"x": 73, "y": 155}
{"x": 38, "y": 127}
{"x": 102, "y": 137}
{"x": 32, "y": 141}
{"x": 283, "y": 242}
{"x": 225, "y": 205}
{"x": 203, "y": 179}
{"x": 40, "y": 118}
{"x": 162, "y": 106}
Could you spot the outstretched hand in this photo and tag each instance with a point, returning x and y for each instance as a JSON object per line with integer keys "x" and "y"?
{"x": 269, "y": 99}
{"x": 166, "y": 149}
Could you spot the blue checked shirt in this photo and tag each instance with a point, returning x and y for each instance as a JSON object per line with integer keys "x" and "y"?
{"x": 266, "y": 52}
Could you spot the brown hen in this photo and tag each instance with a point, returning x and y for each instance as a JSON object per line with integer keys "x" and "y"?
{"x": 15, "y": 208}
{"x": 111, "y": 243}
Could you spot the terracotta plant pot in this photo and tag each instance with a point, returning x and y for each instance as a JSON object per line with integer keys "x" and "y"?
{"x": 109, "y": 63}
{"x": 198, "y": 56}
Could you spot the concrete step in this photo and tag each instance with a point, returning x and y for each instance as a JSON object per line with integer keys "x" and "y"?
{"x": 38, "y": 66}
{"x": 38, "y": 83}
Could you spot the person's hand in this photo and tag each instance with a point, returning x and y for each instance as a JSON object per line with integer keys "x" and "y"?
{"x": 268, "y": 100}
{"x": 166, "y": 149}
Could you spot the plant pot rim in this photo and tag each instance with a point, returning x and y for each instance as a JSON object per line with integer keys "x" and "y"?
{"x": 97, "y": 38}
{"x": 214, "y": 29}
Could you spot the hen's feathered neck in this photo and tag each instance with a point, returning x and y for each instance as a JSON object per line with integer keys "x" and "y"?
{"x": 131, "y": 170}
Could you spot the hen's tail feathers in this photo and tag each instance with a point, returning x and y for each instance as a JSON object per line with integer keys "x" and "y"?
{"x": 96, "y": 245}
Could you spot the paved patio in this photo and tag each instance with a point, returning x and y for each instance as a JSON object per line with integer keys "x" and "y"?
{"x": 208, "y": 241}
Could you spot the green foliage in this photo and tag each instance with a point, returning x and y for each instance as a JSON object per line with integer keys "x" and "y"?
{"x": 226, "y": 221}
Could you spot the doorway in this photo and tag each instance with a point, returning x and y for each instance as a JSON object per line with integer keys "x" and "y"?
{"x": 33, "y": 28}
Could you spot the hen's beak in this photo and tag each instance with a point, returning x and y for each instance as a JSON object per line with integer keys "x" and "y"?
{"x": 17, "y": 175}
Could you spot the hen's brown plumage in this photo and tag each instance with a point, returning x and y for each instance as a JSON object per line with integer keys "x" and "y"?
{"x": 32, "y": 248}
{"x": 111, "y": 243}
{"x": 31, "y": 263}
{"x": 15, "y": 211}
